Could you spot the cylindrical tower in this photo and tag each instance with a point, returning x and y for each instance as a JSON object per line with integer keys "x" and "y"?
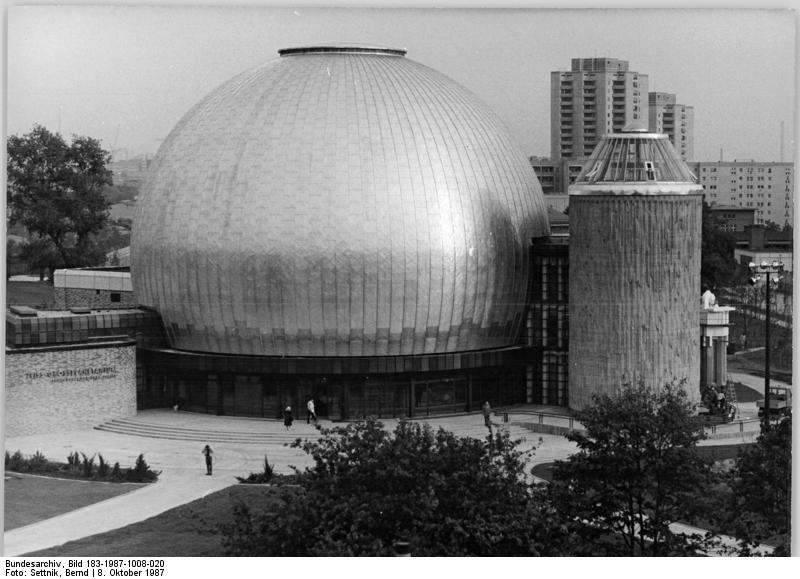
{"x": 634, "y": 274}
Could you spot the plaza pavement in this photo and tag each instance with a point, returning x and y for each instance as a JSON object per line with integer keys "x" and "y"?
{"x": 182, "y": 465}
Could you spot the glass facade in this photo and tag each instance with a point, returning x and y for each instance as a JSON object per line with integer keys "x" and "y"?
{"x": 548, "y": 322}
{"x": 223, "y": 385}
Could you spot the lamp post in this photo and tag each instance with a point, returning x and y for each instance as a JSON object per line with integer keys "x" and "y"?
{"x": 766, "y": 269}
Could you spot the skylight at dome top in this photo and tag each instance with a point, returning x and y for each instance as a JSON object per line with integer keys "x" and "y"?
{"x": 634, "y": 157}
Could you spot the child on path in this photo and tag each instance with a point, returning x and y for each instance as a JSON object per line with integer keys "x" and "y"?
{"x": 208, "y": 452}
{"x": 287, "y": 417}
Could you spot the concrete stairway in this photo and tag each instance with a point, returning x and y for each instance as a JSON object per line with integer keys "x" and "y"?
{"x": 271, "y": 433}
{"x": 212, "y": 429}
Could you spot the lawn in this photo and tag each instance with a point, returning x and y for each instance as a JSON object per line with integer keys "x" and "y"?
{"x": 30, "y": 293}
{"x": 745, "y": 393}
{"x": 714, "y": 452}
{"x": 29, "y": 499}
{"x": 753, "y": 363}
{"x": 191, "y": 530}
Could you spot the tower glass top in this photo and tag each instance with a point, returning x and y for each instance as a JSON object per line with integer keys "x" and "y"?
{"x": 635, "y": 157}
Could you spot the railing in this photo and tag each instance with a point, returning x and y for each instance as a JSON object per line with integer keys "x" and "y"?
{"x": 561, "y": 424}
{"x": 556, "y": 422}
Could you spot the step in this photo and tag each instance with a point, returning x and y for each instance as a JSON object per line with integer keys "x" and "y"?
{"x": 198, "y": 435}
{"x": 214, "y": 433}
{"x": 268, "y": 427}
{"x": 150, "y": 430}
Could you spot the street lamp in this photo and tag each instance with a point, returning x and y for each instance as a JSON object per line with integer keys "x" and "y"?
{"x": 766, "y": 269}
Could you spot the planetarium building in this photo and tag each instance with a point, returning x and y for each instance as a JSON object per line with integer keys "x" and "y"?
{"x": 341, "y": 222}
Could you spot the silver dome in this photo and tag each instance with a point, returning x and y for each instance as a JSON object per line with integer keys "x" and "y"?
{"x": 337, "y": 201}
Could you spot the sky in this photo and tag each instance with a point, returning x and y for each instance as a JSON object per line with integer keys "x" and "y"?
{"x": 126, "y": 75}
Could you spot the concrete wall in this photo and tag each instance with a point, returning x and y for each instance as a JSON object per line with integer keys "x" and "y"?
{"x": 634, "y": 286}
{"x": 59, "y": 389}
{"x": 66, "y": 298}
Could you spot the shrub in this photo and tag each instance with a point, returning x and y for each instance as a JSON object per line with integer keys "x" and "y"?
{"x": 87, "y": 466}
{"x": 38, "y": 463}
{"x": 369, "y": 488}
{"x": 259, "y": 478}
{"x": 74, "y": 460}
{"x": 16, "y": 462}
{"x": 141, "y": 472}
{"x": 81, "y": 466}
{"x": 102, "y": 467}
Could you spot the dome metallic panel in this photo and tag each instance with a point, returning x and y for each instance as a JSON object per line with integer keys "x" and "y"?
{"x": 338, "y": 204}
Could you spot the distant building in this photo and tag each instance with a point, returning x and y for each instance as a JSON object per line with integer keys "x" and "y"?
{"x": 757, "y": 243}
{"x": 674, "y": 120}
{"x": 766, "y": 187}
{"x": 734, "y": 218}
{"x": 97, "y": 287}
{"x": 555, "y": 176}
{"x": 131, "y": 172}
{"x": 596, "y": 97}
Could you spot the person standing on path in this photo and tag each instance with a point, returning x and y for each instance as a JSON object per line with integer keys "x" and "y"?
{"x": 311, "y": 412}
{"x": 287, "y": 417}
{"x": 208, "y": 452}
{"x": 487, "y": 413}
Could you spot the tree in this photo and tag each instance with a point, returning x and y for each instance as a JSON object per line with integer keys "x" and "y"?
{"x": 40, "y": 256}
{"x": 759, "y": 506}
{"x": 56, "y": 191}
{"x": 718, "y": 267}
{"x": 636, "y": 472}
{"x": 369, "y": 488}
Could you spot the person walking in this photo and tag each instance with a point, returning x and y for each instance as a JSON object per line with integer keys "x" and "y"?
{"x": 208, "y": 452}
{"x": 287, "y": 417}
{"x": 487, "y": 413}
{"x": 311, "y": 412}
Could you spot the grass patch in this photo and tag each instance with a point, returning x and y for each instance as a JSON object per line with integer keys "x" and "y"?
{"x": 745, "y": 393}
{"x": 190, "y": 530}
{"x": 714, "y": 452}
{"x": 30, "y": 293}
{"x": 29, "y": 499}
{"x": 753, "y": 363}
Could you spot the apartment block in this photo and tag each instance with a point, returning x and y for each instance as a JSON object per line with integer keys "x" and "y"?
{"x": 555, "y": 176}
{"x": 768, "y": 188}
{"x": 673, "y": 119}
{"x": 596, "y": 97}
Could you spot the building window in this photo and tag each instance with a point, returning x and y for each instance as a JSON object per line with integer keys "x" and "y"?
{"x": 116, "y": 297}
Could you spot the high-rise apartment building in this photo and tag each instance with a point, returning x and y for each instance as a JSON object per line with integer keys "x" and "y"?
{"x": 768, "y": 188}
{"x": 674, "y": 120}
{"x": 596, "y": 97}
{"x": 556, "y": 176}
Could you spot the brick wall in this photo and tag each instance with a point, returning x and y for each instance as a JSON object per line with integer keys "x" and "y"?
{"x": 66, "y": 298}
{"x": 59, "y": 389}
